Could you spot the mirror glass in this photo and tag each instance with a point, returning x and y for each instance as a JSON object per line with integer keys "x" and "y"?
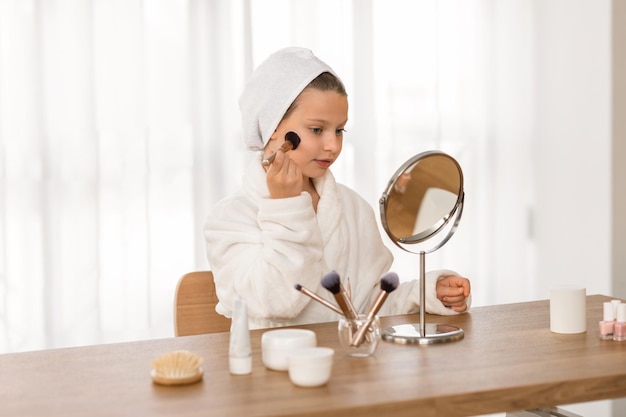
{"x": 421, "y": 198}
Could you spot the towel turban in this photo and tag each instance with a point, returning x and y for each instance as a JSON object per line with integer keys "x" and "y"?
{"x": 271, "y": 89}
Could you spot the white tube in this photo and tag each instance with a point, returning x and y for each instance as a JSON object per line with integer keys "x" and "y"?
{"x": 240, "y": 353}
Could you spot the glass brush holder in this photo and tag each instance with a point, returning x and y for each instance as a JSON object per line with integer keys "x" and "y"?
{"x": 348, "y": 328}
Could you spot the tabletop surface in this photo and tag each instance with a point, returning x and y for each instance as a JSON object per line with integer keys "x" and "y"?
{"x": 508, "y": 360}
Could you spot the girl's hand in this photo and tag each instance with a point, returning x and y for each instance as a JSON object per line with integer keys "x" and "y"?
{"x": 284, "y": 178}
{"x": 452, "y": 291}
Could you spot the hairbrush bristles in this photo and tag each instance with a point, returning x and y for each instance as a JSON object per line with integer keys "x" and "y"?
{"x": 389, "y": 282}
{"x": 177, "y": 368}
{"x": 332, "y": 282}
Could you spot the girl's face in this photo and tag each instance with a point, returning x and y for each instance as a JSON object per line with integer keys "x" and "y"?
{"x": 319, "y": 118}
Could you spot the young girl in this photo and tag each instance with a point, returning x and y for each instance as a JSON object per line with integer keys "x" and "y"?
{"x": 291, "y": 223}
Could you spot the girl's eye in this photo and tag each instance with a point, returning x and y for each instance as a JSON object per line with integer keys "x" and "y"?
{"x": 316, "y": 130}
{"x": 340, "y": 131}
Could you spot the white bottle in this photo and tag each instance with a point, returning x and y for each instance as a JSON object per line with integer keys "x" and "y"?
{"x": 239, "y": 352}
{"x": 619, "y": 333}
{"x": 607, "y": 325}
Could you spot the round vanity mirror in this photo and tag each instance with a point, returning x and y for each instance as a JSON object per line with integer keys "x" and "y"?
{"x": 420, "y": 210}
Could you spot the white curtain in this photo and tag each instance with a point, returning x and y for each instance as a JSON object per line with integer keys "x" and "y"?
{"x": 119, "y": 128}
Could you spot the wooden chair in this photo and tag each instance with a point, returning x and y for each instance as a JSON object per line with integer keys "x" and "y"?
{"x": 194, "y": 306}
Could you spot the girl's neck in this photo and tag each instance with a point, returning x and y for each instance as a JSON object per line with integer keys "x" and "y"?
{"x": 310, "y": 188}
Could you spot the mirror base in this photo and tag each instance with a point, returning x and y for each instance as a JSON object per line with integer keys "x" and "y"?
{"x": 409, "y": 334}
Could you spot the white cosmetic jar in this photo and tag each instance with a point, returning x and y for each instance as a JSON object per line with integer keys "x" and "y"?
{"x": 277, "y": 344}
{"x": 310, "y": 367}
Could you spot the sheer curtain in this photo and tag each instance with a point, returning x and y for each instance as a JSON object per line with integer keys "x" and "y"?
{"x": 119, "y": 128}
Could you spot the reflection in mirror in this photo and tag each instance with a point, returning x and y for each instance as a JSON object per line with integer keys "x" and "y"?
{"x": 423, "y": 198}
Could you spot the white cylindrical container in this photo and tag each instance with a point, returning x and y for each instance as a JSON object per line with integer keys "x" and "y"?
{"x": 277, "y": 344}
{"x": 568, "y": 309}
{"x": 239, "y": 351}
{"x": 310, "y": 367}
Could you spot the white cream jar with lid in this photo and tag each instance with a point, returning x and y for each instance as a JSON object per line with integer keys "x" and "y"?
{"x": 310, "y": 367}
{"x": 277, "y": 344}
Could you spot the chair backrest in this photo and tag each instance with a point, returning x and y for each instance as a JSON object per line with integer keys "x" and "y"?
{"x": 194, "y": 306}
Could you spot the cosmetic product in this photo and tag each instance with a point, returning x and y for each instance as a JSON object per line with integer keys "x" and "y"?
{"x": 615, "y": 303}
{"x": 388, "y": 283}
{"x": 332, "y": 283}
{"x": 317, "y": 298}
{"x": 310, "y": 367}
{"x": 292, "y": 140}
{"x": 239, "y": 352}
{"x": 568, "y": 312}
{"x": 276, "y": 345}
{"x": 619, "y": 332}
{"x": 607, "y": 324}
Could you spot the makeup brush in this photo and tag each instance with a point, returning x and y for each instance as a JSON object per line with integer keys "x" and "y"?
{"x": 292, "y": 140}
{"x": 388, "y": 283}
{"x": 318, "y": 298}
{"x": 347, "y": 293}
{"x": 332, "y": 283}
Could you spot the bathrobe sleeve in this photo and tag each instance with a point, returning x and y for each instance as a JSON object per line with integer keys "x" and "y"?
{"x": 406, "y": 298}
{"x": 258, "y": 248}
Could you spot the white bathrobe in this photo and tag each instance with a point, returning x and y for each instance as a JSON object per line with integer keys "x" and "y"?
{"x": 259, "y": 248}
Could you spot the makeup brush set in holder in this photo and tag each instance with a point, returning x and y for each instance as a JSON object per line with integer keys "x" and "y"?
{"x": 358, "y": 333}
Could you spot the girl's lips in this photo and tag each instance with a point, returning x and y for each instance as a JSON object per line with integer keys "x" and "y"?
{"x": 323, "y": 163}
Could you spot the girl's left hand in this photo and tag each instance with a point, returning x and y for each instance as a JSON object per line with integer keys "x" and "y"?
{"x": 453, "y": 291}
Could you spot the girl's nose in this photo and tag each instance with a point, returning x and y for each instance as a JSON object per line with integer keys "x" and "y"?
{"x": 332, "y": 143}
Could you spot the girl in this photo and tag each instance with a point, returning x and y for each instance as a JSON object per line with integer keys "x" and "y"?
{"x": 291, "y": 223}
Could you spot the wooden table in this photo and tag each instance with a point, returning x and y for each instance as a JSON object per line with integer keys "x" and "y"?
{"x": 508, "y": 360}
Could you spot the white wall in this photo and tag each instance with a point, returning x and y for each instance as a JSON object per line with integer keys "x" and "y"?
{"x": 572, "y": 144}
{"x": 619, "y": 148}
{"x": 511, "y": 68}
{"x": 573, "y": 151}
{"x": 619, "y": 167}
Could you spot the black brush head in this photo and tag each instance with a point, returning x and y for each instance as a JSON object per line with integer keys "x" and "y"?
{"x": 332, "y": 282}
{"x": 389, "y": 282}
{"x": 293, "y": 138}
{"x": 298, "y": 287}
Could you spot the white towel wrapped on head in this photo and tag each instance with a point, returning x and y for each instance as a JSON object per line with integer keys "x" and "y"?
{"x": 271, "y": 89}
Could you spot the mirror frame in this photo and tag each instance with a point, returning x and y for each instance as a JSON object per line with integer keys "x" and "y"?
{"x": 455, "y": 213}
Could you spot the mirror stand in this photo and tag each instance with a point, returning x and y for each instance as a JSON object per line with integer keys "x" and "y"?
{"x": 423, "y": 199}
{"x": 425, "y": 334}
